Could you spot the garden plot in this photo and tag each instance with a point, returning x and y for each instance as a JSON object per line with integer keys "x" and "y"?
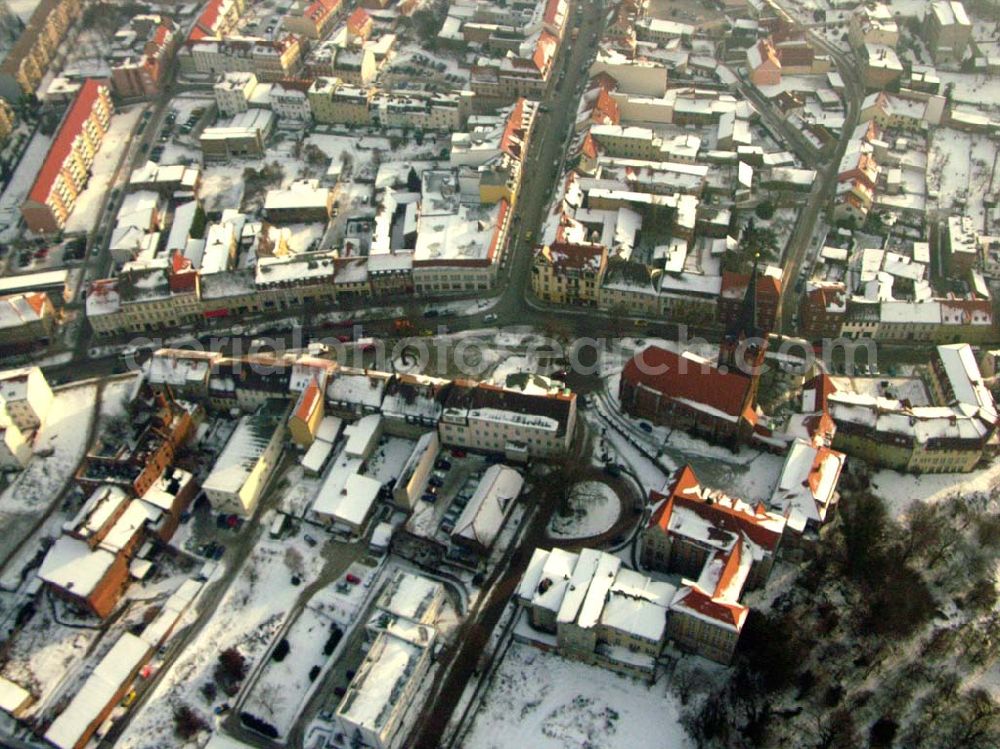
{"x": 247, "y": 618}
{"x": 959, "y": 170}
{"x": 59, "y": 446}
{"x": 284, "y": 682}
{"x": 592, "y": 509}
{"x": 542, "y": 701}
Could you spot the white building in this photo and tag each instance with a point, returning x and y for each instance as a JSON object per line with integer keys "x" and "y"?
{"x": 25, "y": 398}
{"x": 484, "y": 516}
{"x": 233, "y": 91}
{"x": 246, "y": 463}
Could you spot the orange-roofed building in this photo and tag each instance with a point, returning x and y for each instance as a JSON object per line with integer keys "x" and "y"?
{"x": 313, "y": 19}
{"x": 689, "y": 392}
{"x": 66, "y": 169}
{"x": 359, "y": 25}
{"x": 721, "y": 546}
{"x": 306, "y": 415}
{"x": 763, "y": 64}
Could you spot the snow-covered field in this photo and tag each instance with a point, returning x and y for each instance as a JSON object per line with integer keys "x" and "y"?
{"x": 64, "y": 434}
{"x": 248, "y": 616}
{"x": 542, "y": 701}
{"x": 901, "y": 490}
{"x": 959, "y": 169}
{"x": 593, "y": 509}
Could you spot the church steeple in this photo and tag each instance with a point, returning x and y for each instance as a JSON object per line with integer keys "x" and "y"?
{"x": 742, "y": 347}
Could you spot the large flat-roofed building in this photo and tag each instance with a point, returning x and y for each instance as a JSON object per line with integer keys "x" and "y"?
{"x": 373, "y": 711}
{"x": 243, "y": 136}
{"x": 66, "y": 169}
{"x": 599, "y": 611}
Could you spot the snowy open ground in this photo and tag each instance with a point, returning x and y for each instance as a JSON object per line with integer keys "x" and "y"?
{"x": 34, "y": 489}
{"x": 593, "y": 507}
{"x": 542, "y": 701}
{"x": 249, "y": 615}
{"x": 900, "y": 490}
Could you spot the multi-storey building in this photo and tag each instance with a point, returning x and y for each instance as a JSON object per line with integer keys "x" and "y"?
{"x": 947, "y": 30}
{"x": 568, "y": 273}
{"x": 598, "y": 611}
{"x": 335, "y": 103}
{"x": 26, "y": 319}
{"x": 269, "y": 60}
{"x": 28, "y": 60}
{"x": 312, "y": 19}
{"x": 503, "y": 420}
{"x": 138, "y": 66}
{"x": 66, "y": 168}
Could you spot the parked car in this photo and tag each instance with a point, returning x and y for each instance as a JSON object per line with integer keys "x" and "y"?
{"x": 435, "y": 482}
{"x": 458, "y": 452}
{"x": 443, "y": 464}
{"x": 309, "y": 539}
{"x": 431, "y": 313}
{"x": 352, "y": 578}
{"x": 646, "y": 427}
{"x": 492, "y": 317}
{"x": 429, "y": 498}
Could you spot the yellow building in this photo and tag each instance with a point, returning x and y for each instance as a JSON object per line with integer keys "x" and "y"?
{"x": 334, "y": 103}
{"x": 306, "y": 415}
{"x": 567, "y": 273}
{"x": 28, "y": 60}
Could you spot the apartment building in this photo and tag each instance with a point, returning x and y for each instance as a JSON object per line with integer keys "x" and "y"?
{"x": 312, "y": 19}
{"x": 269, "y": 60}
{"x": 569, "y": 273}
{"x": 142, "y": 54}
{"x": 66, "y": 169}
{"x": 217, "y": 20}
{"x": 947, "y": 31}
{"x": 233, "y": 92}
{"x": 589, "y": 607}
{"x": 25, "y": 65}
{"x": 242, "y": 136}
{"x": 26, "y": 318}
{"x": 422, "y": 111}
{"x": 25, "y": 398}
{"x": 333, "y": 102}
{"x": 721, "y": 546}
{"x": 873, "y": 24}
{"x": 950, "y": 436}
{"x": 505, "y": 420}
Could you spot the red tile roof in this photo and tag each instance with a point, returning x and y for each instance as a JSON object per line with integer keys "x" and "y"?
{"x": 731, "y": 614}
{"x": 665, "y": 372}
{"x": 552, "y": 11}
{"x": 357, "y": 20}
{"x": 688, "y": 493}
{"x": 589, "y": 146}
{"x": 61, "y": 147}
{"x": 734, "y": 285}
{"x": 510, "y": 141}
{"x": 308, "y": 401}
{"x": 576, "y": 255}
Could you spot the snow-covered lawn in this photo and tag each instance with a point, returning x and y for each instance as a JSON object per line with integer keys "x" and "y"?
{"x": 593, "y": 509}
{"x": 900, "y": 490}
{"x": 248, "y": 617}
{"x": 61, "y": 442}
{"x": 389, "y": 458}
{"x": 959, "y": 168}
{"x": 542, "y": 701}
{"x": 116, "y": 140}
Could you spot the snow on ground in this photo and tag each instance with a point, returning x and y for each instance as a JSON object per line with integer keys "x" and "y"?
{"x": 300, "y": 493}
{"x": 222, "y": 186}
{"x": 85, "y": 213}
{"x": 20, "y": 183}
{"x": 959, "y": 168}
{"x": 282, "y": 685}
{"x": 249, "y": 615}
{"x": 65, "y": 434}
{"x": 23, "y": 8}
{"x": 388, "y": 460}
{"x": 305, "y": 237}
{"x": 593, "y": 509}
{"x": 979, "y": 90}
{"x": 513, "y": 365}
{"x": 900, "y": 490}
{"x": 45, "y": 651}
{"x": 543, "y": 701}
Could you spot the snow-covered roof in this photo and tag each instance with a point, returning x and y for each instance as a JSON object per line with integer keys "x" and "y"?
{"x": 361, "y": 435}
{"x": 12, "y": 696}
{"x": 808, "y": 483}
{"x": 409, "y": 596}
{"x": 120, "y": 664}
{"x": 245, "y": 446}
{"x": 967, "y": 385}
{"x": 72, "y": 565}
{"x": 484, "y": 515}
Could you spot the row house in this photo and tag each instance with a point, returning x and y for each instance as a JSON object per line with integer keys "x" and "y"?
{"x": 27, "y": 318}
{"x": 66, "y": 169}
{"x": 269, "y": 60}
{"x": 312, "y": 19}
{"x": 569, "y": 273}
{"x": 139, "y": 69}
{"x": 27, "y": 61}
{"x": 334, "y": 102}
{"x": 218, "y": 20}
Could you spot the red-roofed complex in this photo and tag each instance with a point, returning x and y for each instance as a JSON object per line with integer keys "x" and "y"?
{"x": 312, "y": 19}
{"x": 688, "y": 392}
{"x": 524, "y": 74}
{"x": 721, "y": 546}
{"x": 359, "y": 24}
{"x": 67, "y": 166}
